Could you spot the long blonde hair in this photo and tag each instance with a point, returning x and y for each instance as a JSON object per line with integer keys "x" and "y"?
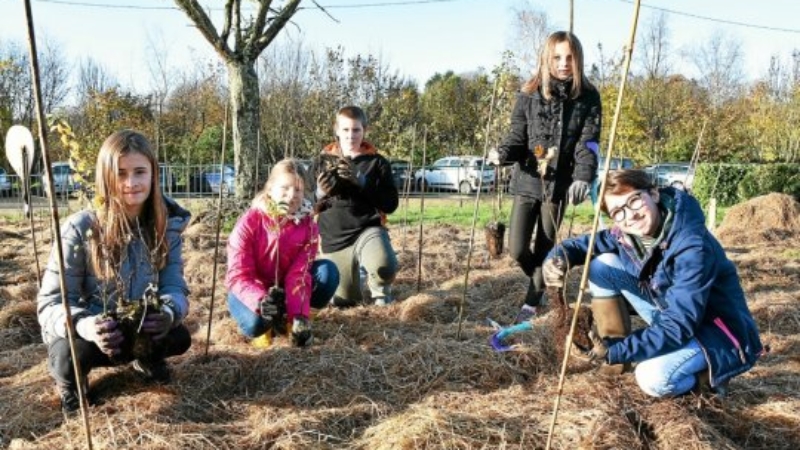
{"x": 113, "y": 228}
{"x": 288, "y": 166}
{"x": 544, "y": 73}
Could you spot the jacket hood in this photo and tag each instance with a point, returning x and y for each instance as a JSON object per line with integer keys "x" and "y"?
{"x": 334, "y": 149}
{"x": 177, "y": 216}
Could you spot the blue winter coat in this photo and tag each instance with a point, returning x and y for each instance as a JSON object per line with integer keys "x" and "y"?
{"x": 85, "y": 290}
{"x": 695, "y": 287}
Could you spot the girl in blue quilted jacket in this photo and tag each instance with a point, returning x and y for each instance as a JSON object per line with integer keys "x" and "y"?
{"x": 126, "y": 249}
{"x": 659, "y": 259}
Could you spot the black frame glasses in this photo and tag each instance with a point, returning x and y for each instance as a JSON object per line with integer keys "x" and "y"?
{"x": 634, "y": 203}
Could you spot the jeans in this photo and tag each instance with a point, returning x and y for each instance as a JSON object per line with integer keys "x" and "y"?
{"x": 665, "y": 375}
{"x": 325, "y": 278}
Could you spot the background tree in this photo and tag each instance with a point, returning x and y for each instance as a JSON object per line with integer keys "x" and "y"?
{"x": 250, "y": 36}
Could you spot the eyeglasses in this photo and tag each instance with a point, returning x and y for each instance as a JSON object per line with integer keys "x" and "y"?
{"x": 634, "y": 203}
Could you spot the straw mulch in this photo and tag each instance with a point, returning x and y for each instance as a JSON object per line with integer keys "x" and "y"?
{"x": 769, "y": 218}
{"x": 401, "y": 377}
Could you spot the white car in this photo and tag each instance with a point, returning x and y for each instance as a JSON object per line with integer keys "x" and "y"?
{"x": 456, "y": 173}
{"x": 64, "y": 182}
{"x": 677, "y": 175}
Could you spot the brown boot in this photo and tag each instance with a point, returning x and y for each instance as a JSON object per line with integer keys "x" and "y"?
{"x": 611, "y": 320}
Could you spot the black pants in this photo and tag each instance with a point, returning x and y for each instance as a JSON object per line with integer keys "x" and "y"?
{"x": 526, "y": 213}
{"x": 59, "y": 360}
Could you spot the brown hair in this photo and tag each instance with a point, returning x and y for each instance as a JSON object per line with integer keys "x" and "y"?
{"x": 113, "y": 226}
{"x": 286, "y": 166}
{"x": 352, "y": 112}
{"x": 620, "y": 182}
{"x": 544, "y": 73}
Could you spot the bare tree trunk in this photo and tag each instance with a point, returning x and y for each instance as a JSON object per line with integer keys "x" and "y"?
{"x": 243, "y": 84}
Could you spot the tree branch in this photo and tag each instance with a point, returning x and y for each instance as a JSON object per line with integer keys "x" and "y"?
{"x": 226, "y": 27}
{"x": 278, "y": 22}
{"x": 195, "y": 12}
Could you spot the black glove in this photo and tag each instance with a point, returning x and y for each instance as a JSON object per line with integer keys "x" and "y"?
{"x": 346, "y": 172}
{"x": 327, "y": 181}
{"x": 577, "y": 192}
{"x": 273, "y": 306}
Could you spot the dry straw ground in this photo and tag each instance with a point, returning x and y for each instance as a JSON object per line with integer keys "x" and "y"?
{"x": 399, "y": 377}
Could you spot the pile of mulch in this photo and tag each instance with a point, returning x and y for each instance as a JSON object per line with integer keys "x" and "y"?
{"x": 769, "y": 218}
{"x": 405, "y": 376}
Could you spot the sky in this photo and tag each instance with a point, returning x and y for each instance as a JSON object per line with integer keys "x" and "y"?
{"x": 417, "y": 38}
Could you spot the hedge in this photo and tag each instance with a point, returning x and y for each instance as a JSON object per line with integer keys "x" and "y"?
{"x": 735, "y": 183}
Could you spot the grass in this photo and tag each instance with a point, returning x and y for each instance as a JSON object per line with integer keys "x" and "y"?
{"x": 452, "y": 209}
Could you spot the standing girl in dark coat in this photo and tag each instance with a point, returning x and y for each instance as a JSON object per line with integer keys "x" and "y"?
{"x": 553, "y": 144}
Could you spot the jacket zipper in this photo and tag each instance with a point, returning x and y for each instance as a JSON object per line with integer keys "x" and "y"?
{"x": 721, "y": 325}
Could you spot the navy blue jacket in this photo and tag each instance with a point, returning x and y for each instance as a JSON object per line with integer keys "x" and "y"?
{"x": 695, "y": 287}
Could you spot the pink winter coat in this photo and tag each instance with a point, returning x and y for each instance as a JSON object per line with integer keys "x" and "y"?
{"x": 254, "y": 247}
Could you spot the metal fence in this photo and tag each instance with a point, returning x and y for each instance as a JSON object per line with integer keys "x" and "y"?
{"x": 204, "y": 181}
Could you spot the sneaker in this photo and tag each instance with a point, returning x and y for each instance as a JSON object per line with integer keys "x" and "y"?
{"x": 382, "y": 301}
{"x": 526, "y": 314}
{"x": 301, "y": 332}
{"x": 153, "y": 372}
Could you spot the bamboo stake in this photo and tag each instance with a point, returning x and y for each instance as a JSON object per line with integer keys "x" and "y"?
{"x": 26, "y": 188}
{"x": 217, "y": 229}
{"x": 407, "y": 186}
{"x": 595, "y": 223}
{"x": 475, "y": 213}
{"x": 55, "y": 222}
{"x": 422, "y": 187}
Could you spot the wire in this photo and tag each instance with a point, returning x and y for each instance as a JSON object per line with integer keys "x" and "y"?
{"x": 714, "y": 19}
{"x": 161, "y": 8}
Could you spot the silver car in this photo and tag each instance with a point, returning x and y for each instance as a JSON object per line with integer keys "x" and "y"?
{"x": 456, "y": 173}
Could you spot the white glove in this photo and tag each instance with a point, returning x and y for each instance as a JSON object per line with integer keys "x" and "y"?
{"x": 577, "y": 192}
{"x": 554, "y": 271}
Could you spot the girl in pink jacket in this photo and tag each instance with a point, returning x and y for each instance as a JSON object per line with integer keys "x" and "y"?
{"x": 273, "y": 278}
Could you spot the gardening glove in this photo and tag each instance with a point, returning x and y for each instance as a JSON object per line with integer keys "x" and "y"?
{"x": 158, "y": 324}
{"x": 599, "y": 351}
{"x": 326, "y": 183}
{"x": 495, "y": 158}
{"x": 272, "y": 306}
{"x": 554, "y": 270}
{"x": 102, "y": 331}
{"x": 345, "y": 171}
{"x": 577, "y": 192}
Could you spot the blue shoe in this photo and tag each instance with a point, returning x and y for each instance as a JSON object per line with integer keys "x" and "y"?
{"x": 526, "y": 314}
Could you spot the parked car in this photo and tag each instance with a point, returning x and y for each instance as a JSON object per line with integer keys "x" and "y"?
{"x": 616, "y": 164}
{"x": 64, "y": 182}
{"x": 401, "y": 173}
{"x": 677, "y": 175}
{"x": 5, "y": 183}
{"x": 458, "y": 173}
{"x": 208, "y": 179}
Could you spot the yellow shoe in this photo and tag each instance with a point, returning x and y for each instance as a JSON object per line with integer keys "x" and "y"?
{"x": 263, "y": 341}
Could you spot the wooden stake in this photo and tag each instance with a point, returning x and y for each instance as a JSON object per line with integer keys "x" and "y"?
{"x": 475, "y": 212}
{"x": 422, "y": 187}
{"x": 595, "y": 223}
{"x": 217, "y": 226}
{"x": 79, "y": 378}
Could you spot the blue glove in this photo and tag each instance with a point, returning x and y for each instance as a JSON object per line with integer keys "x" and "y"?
{"x": 577, "y": 192}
